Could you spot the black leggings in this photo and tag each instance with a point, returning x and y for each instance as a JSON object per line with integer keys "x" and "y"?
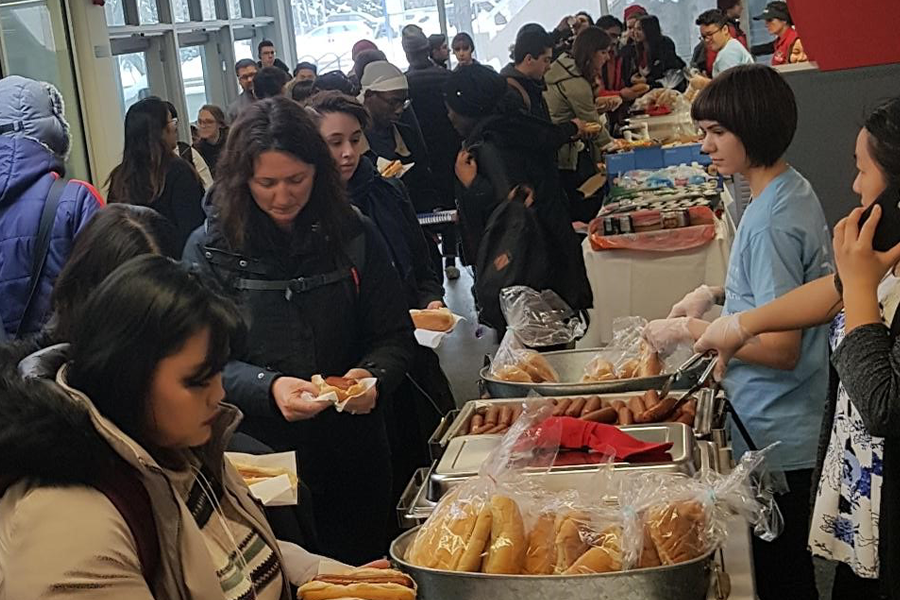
{"x": 849, "y": 586}
{"x": 783, "y": 568}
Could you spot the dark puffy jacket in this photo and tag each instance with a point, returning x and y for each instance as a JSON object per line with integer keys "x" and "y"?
{"x": 426, "y": 90}
{"x": 663, "y": 58}
{"x": 387, "y": 203}
{"x": 27, "y": 170}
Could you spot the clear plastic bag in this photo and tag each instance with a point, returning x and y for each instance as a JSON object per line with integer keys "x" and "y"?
{"x": 683, "y": 518}
{"x": 479, "y": 526}
{"x": 540, "y": 318}
{"x": 628, "y": 356}
{"x": 514, "y": 362}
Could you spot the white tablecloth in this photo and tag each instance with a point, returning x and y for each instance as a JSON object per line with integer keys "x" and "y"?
{"x": 629, "y": 283}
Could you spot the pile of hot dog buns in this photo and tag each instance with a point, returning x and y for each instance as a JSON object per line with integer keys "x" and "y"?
{"x": 530, "y": 368}
{"x": 645, "y": 365}
{"x": 645, "y": 408}
{"x": 490, "y": 536}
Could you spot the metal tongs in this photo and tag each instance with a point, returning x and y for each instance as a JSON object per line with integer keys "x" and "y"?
{"x": 684, "y": 368}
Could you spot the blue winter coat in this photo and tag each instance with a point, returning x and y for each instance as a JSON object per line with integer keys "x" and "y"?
{"x": 27, "y": 170}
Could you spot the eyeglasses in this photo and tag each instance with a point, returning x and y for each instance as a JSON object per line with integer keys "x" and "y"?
{"x": 173, "y": 121}
{"x": 708, "y": 36}
{"x": 397, "y": 103}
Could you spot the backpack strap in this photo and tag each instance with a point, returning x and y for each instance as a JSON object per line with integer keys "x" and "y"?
{"x": 42, "y": 246}
{"x": 518, "y": 87}
{"x": 122, "y": 486}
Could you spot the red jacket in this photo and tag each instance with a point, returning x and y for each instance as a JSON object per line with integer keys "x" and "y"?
{"x": 783, "y": 46}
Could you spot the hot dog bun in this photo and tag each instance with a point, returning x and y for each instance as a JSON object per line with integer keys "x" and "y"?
{"x": 254, "y": 474}
{"x": 506, "y": 553}
{"x": 392, "y": 169}
{"x": 364, "y": 584}
{"x": 434, "y": 319}
{"x": 541, "y": 553}
{"x": 605, "y": 555}
{"x": 454, "y": 538}
{"x": 342, "y": 387}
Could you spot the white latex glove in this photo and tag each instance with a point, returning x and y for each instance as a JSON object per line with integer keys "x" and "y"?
{"x": 697, "y": 303}
{"x": 726, "y": 336}
{"x": 664, "y": 335}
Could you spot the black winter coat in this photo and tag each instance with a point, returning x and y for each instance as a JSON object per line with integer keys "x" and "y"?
{"x": 536, "y": 105}
{"x": 514, "y": 150}
{"x": 419, "y": 179}
{"x": 337, "y": 315}
{"x": 387, "y": 204}
{"x": 663, "y": 58}
{"x": 426, "y": 91}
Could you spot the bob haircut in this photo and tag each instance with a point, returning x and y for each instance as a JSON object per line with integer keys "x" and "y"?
{"x": 142, "y": 313}
{"x": 765, "y": 120}
{"x": 883, "y": 125}
{"x": 114, "y": 236}
{"x": 277, "y": 125}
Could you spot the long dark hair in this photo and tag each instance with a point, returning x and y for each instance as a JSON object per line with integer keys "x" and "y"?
{"x": 113, "y": 236}
{"x": 142, "y": 313}
{"x": 281, "y": 125}
{"x": 141, "y": 175}
{"x": 883, "y": 125}
{"x": 586, "y": 45}
{"x": 653, "y": 37}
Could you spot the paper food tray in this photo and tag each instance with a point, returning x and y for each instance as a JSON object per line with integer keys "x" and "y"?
{"x": 275, "y": 491}
{"x": 381, "y": 163}
{"x": 433, "y": 339}
{"x": 367, "y": 383}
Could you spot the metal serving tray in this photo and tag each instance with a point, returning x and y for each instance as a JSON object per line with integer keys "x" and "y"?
{"x": 464, "y": 455}
{"x": 569, "y": 364}
{"x": 686, "y": 581}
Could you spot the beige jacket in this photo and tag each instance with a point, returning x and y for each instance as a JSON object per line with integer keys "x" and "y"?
{"x": 71, "y": 542}
{"x": 570, "y": 96}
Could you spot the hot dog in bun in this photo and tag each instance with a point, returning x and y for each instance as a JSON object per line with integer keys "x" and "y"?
{"x": 363, "y": 584}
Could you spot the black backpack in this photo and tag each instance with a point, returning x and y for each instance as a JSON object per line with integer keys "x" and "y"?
{"x": 513, "y": 251}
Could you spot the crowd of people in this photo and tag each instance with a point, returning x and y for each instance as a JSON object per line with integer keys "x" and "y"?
{"x": 272, "y": 249}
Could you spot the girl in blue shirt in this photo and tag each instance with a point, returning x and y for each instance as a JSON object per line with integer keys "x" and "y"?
{"x": 749, "y": 117}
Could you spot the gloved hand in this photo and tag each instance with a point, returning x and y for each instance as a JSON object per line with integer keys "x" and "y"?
{"x": 726, "y": 336}
{"x": 697, "y": 303}
{"x": 663, "y": 335}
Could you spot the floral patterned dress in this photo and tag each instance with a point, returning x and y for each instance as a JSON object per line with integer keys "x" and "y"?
{"x": 845, "y": 517}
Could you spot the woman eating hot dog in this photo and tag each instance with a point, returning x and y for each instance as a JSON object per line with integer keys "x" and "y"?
{"x": 323, "y": 299}
{"x": 855, "y": 518}
{"x": 782, "y": 242}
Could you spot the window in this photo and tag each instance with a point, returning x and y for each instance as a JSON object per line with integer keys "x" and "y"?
{"x": 326, "y": 39}
{"x": 234, "y": 8}
{"x": 243, "y": 49}
{"x": 180, "y": 11}
{"x": 115, "y": 12}
{"x": 34, "y": 43}
{"x": 208, "y": 9}
{"x": 193, "y": 72}
{"x": 676, "y": 18}
{"x": 149, "y": 12}
{"x": 132, "y": 77}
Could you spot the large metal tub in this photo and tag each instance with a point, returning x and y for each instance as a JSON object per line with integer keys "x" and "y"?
{"x": 570, "y": 366}
{"x": 687, "y": 581}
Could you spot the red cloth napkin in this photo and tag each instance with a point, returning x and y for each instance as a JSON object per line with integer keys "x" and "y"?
{"x": 576, "y": 434}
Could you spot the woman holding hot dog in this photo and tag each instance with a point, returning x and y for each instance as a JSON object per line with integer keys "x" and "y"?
{"x": 323, "y": 298}
{"x": 782, "y": 242}
{"x": 413, "y": 415}
{"x": 855, "y": 518}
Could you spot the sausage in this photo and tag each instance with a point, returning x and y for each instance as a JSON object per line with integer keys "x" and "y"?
{"x": 636, "y": 405}
{"x": 495, "y": 429}
{"x": 593, "y": 404}
{"x": 476, "y": 423}
{"x": 626, "y": 417}
{"x": 690, "y": 407}
{"x": 516, "y": 413}
{"x": 505, "y": 417}
{"x": 686, "y": 418}
{"x": 492, "y": 414}
{"x": 650, "y": 399}
{"x": 561, "y": 406}
{"x": 658, "y": 412}
{"x": 607, "y": 415}
{"x": 576, "y": 407}
{"x": 617, "y": 404}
